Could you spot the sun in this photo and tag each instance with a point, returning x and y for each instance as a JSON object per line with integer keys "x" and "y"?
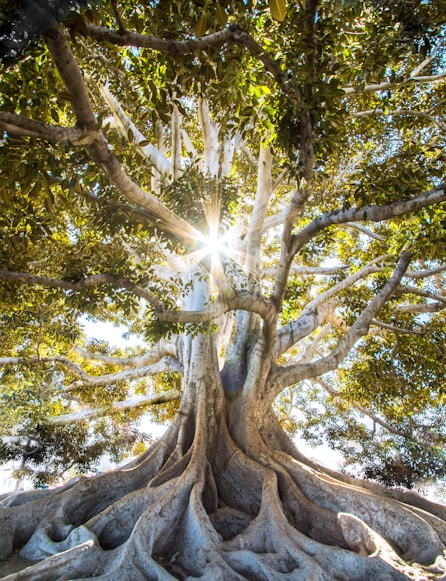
{"x": 218, "y": 248}
{"x": 213, "y": 245}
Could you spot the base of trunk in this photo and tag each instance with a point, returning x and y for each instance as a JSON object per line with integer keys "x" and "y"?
{"x": 203, "y": 507}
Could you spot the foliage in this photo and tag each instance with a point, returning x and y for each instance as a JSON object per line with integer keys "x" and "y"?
{"x": 48, "y": 455}
{"x": 65, "y": 218}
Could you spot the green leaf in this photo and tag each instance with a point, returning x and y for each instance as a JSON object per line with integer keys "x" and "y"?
{"x": 222, "y": 17}
{"x": 201, "y": 26}
{"x": 278, "y": 9}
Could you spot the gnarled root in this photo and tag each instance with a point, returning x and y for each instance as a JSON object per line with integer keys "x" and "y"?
{"x": 199, "y": 506}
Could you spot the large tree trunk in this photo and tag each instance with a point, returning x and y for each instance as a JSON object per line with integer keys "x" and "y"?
{"x": 219, "y": 498}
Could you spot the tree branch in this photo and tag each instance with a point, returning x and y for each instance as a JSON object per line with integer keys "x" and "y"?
{"x": 25, "y": 127}
{"x": 148, "y": 151}
{"x": 175, "y": 127}
{"x": 249, "y": 155}
{"x": 349, "y": 281}
{"x": 162, "y": 348}
{"x": 87, "y": 283}
{"x": 210, "y": 138}
{"x": 363, "y": 230}
{"x": 349, "y": 91}
{"x": 203, "y": 316}
{"x": 308, "y": 270}
{"x": 393, "y": 328}
{"x": 263, "y": 193}
{"x": 239, "y": 301}
{"x": 167, "y": 364}
{"x": 399, "y": 113}
{"x": 417, "y": 70}
{"x": 335, "y": 394}
{"x": 98, "y": 147}
{"x": 285, "y": 376}
{"x": 309, "y": 320}
{"x": 121, "y": 25}
{"x": 89, "y": 413}
{"x": 401, "y": 290}
{"x": 245, "y": 40}
{"x": 301, "y": 327}
{"x": 421, "y": 308}
{"x": 370, "y": 213}
{"x": 310, "y": 349}
{"x": 64, "y": 361}
{"x": 166, "y": 46}
{"x": 424, "y": 273}
{"x": 233, "y": 34}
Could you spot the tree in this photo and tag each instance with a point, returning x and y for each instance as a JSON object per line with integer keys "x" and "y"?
{"x": 257, "y": 191}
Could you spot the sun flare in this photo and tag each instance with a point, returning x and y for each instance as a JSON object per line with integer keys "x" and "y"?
{"x": 213, "y": 244}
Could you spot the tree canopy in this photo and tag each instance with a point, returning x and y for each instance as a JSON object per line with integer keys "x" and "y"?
{"x": 256, "y": 191}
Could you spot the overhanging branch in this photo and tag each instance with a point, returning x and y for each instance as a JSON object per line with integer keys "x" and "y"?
{"x": 166, "y": 46}
{"x": 30, "y": 361}
{"x": 368, "y": 213}
{"x": 98, "y": 146}
{"x": 351, "y": 91}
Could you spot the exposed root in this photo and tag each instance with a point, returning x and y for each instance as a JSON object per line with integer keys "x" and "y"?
{"x": 200, "y": 506}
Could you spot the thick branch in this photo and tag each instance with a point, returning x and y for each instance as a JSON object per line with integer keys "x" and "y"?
{"x": 210, "y": 138}
{"x": 148, "y": 151}
{"x": 175, "y": 127}
{"x": 233, "y": 34}
{"x": 87, "y": 283}
{"x": 166, "y": 46}
{"x": 204, "y": 316}
{"x": 313, "y": 315}
{"x": 90, "y": 413}
{"x": 370, "y": 213}
{"x": 22, "y": 126}
{"x": 263, "y": 193}
{"x": 239, "y": 301}
{"x": 248, "y": 155}
{"x": 304, "y": 325}
{"x": 98, "y": 147}
{"x": 189, "y": 146}
{"x": 310, "y": 349}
